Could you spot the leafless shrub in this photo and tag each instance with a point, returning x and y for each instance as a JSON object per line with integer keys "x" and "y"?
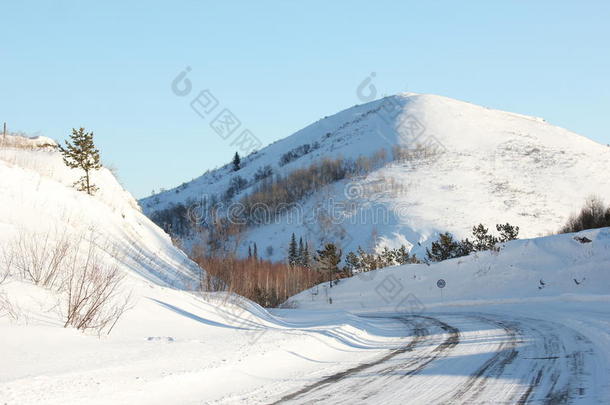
{"x": 6, "y": 262}
{"x": 7, "y": 308}
{"x": 21, "y": 140}
{"x": 92, "y": 295}
{"x": 38, "y": 258}
{"x": 415, "y": 153}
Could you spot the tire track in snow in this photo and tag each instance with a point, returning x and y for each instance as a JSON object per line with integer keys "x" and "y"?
{"x": 420, "y": 331}
{"x": 555, "y": 372}
{"x": 533, "y": 361}
{"x": 559, "y": 370}
{"x": 492, "y": 368}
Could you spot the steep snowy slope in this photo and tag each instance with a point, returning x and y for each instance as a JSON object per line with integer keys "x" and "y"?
{"x": 37, "y": 197}
{"x": 487, "y": 166}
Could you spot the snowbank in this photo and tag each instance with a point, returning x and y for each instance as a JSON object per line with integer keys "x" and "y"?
{"x": 568, "y": 266}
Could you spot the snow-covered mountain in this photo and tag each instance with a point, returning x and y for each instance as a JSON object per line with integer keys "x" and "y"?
{"x": 480, "y": 166}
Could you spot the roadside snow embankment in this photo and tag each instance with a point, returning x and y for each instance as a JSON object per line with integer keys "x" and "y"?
{"x": 568, "y": 265}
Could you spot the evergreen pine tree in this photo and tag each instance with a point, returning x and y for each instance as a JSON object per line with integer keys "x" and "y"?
{"x": 236, "y": 162}
{"x": 306, "y": 257}
{"x": 249, "y": 252}
{"x": 402, "y": 255}
{"x": 292, "y": 251}
{"x": 367, "y": 261}
{"x": 445, "y": 248}
{"x": 483, "y": 240}
{"x": 508, "y": 232}
{"x": 300, "y": 252}
{"x": 352, "y": 262}
{"x": 82, "y": 154}
{"x": 328, "y": 260}
{"x": 255, "y": 252}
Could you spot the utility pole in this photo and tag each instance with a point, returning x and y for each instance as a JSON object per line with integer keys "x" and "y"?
{"x": 4, "y": 131}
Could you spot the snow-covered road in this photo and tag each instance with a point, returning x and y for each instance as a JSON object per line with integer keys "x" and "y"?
{"x": 539, "y": 352}
{"x": 469, "y": 358}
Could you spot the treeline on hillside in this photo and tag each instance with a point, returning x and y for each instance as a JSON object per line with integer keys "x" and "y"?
{"x": 361, "y": 261}
{"x": 272, "y": 194}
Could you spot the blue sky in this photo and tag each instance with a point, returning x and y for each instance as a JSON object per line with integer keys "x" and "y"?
{"x": 108, "y": 66}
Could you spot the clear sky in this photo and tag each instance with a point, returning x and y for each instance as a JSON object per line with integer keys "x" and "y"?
{"x": 278, "y": 66}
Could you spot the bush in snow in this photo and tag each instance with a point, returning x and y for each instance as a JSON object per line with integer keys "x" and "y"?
{"x": 38, "y": 258}
{"x": 90, "y": 288}
{"x": 297, "y": 152}
{"x": 92, "y": 296}
{"x": 174, "y": 220}
{"x": 263, "y": 172}
{"x": 236, "y": 185}
{"x": 594, "y": 214}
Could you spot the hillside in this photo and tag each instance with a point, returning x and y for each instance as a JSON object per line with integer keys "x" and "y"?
{"x": 37, "y": 197}
{"x": 434, "y": 164}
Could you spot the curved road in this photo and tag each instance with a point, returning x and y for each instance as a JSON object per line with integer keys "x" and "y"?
{"x": 468, "y": 358}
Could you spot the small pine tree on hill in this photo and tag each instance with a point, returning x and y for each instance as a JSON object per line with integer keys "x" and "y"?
{"x": 81, "y": 153}
{"x": 236, "y": 162}
{"x": 508, "y": 232}
{"x": 483, "y": 240}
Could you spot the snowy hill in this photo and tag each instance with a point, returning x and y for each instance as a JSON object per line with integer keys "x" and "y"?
{"x": 487, "y": 166}
{"x": 572, "y": 266}
{"x": 37, "y": 197}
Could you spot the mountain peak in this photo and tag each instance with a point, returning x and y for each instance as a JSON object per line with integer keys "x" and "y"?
{"x": 448, "y": 165}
